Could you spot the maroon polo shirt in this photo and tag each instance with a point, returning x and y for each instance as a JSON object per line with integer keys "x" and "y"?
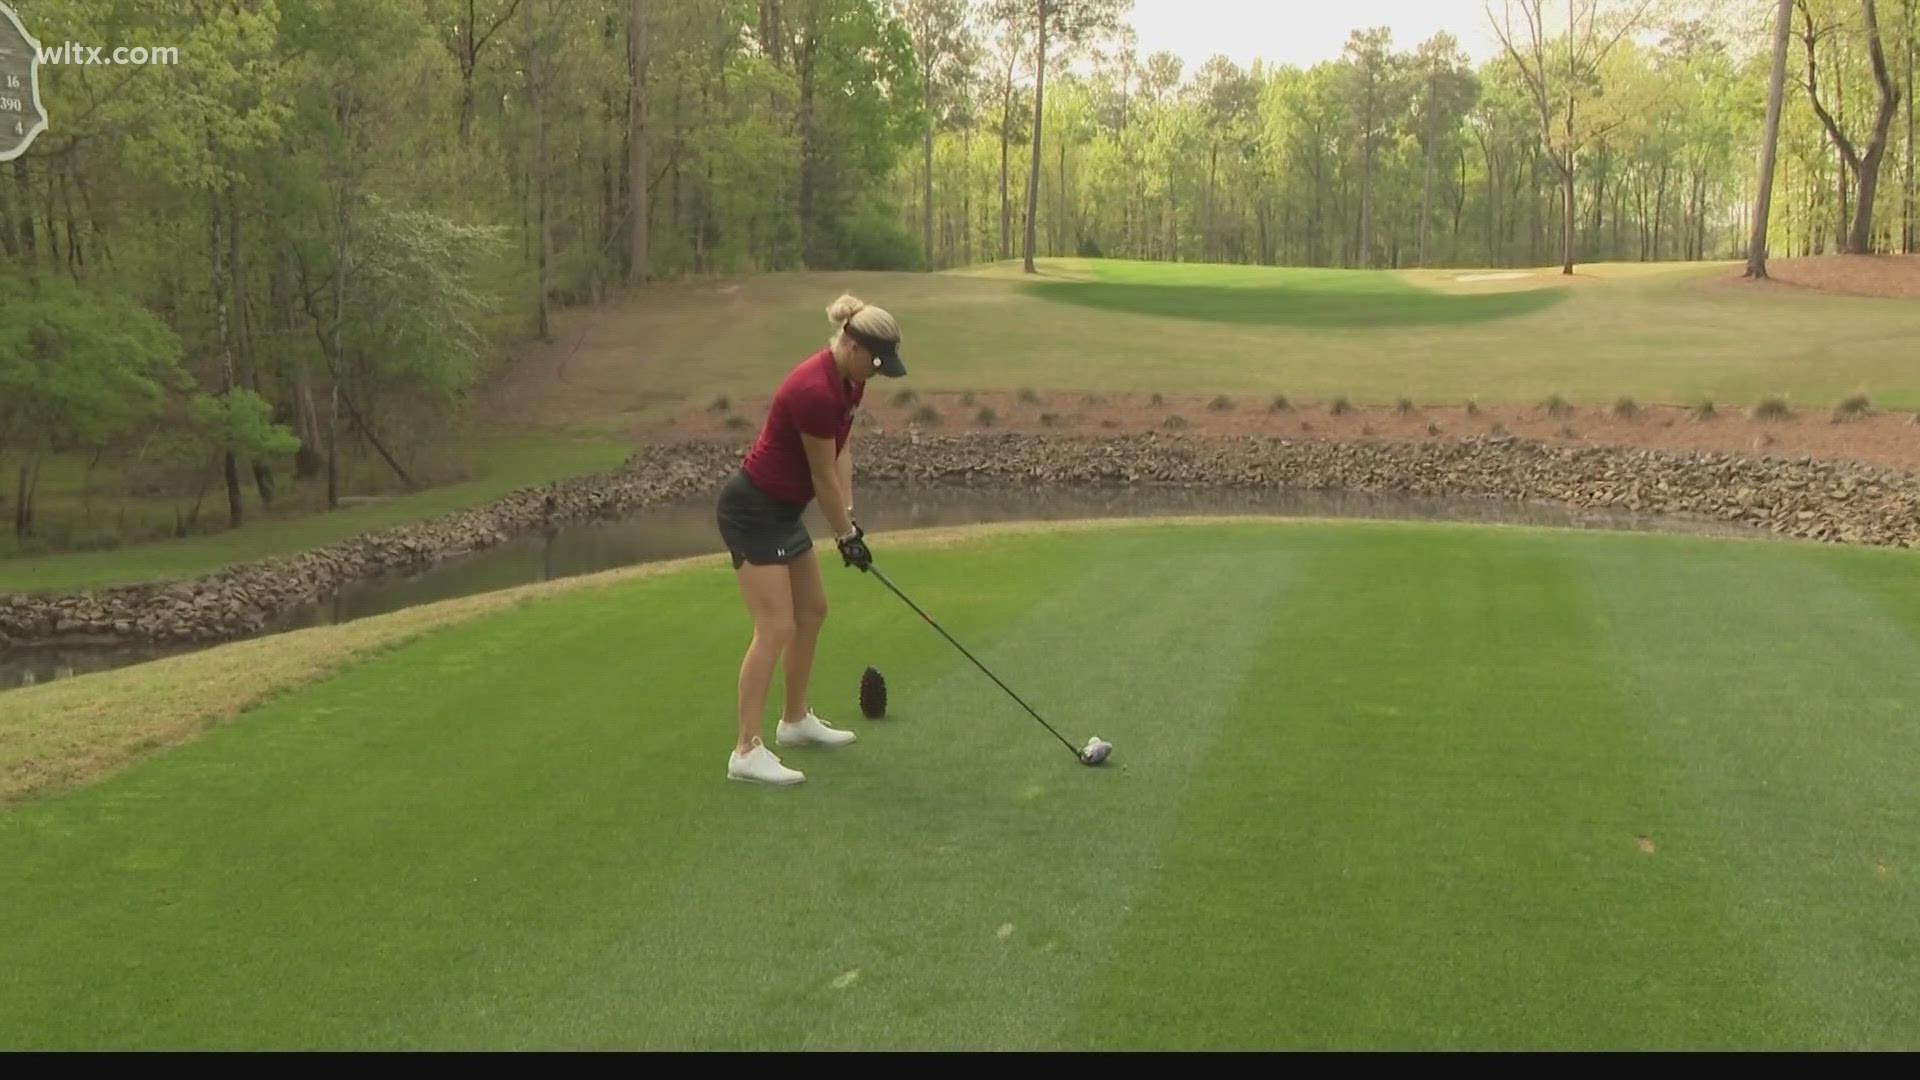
{"x": 815, "y": 399}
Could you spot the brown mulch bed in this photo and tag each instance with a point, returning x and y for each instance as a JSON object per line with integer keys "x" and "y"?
{"x": 1889, "y": 439}
{"x": 1890, "y": 276}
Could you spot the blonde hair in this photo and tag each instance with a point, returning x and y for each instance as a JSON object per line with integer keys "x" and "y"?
{"x": 869, "y": 320}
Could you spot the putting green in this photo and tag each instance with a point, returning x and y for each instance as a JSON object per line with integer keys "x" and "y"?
{"x": 1374, "y": 786}
{"x": 1256, "y": 295}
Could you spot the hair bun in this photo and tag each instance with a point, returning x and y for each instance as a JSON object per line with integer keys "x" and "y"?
{"x": 845, "y": 308}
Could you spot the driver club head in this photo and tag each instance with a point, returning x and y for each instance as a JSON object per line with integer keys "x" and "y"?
{"x": 1096, "y": 751}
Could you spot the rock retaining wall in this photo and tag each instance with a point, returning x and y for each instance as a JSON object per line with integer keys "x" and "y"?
{"x": 1816, "y": 500}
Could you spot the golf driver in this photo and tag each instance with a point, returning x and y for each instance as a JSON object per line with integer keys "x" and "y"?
{"x": 1095, "y": 752}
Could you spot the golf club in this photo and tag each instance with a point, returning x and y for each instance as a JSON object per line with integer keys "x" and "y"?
{"x": 1096, "y": 750}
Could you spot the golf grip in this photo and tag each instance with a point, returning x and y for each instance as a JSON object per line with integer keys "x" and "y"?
{"x": 963, "y": 650}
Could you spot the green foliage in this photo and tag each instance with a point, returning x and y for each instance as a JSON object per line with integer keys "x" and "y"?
{"x": 240, "y": 421}
{"x": 420, "y": 308}
{"x": 78, "y": 367}
{"x": 871, "y": 238}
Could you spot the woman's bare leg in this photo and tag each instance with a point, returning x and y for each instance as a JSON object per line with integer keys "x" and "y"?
{"x": 769, "y": 598}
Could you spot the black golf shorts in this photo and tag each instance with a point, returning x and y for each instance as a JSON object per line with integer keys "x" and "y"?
{"x": 757, "y": 527}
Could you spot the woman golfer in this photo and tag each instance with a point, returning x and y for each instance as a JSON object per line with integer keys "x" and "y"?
{"x": 801, "y": 455}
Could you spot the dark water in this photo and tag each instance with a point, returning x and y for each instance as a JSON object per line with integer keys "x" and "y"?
{"x": 678, "y": 530}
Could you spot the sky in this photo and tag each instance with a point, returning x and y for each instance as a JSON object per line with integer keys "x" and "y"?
{"x": 1301, "y": 32}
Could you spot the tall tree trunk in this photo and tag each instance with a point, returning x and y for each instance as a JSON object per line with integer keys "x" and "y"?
{"x": 1063, "y": 222}
{"x": 1659, "y": 210}
{"x": 1848, "y": 165}
{"x": 306, "y": 460}
{"x": 23, "y": 503}
{"x": 1363, "y": 239}
{"x": 243, "y": 326}
{"x": 76, "y": 248}
{"x": 770, "y": 36}
{"x": 468, "y": 59}
{"x": 1619, "y": 215}
{"x": 1315, "y": 235}
{"x": 1570, "y": 220}
{"x": 638, "y": 257}
{"x": 1700, "y": 216}
{"x": 1770, "y": 144}
{"x": 1535, "y": 227}
{"x": 8, "y": 245}
{"x": 1493, "y": 199}
{"x": 1596, "y": 225}
{"x": 1910, "y": 227}
{"x": 22, "y": 178}
{"x": 1261, "y": 213}
{"x": 1426, "y": 190}
{"x": 1039, "y": 105}
{"x": 230, "y": 463}
{"x": 1006, "y": 138}
{"x": 1207, "y": 240}
{"x": 926, "y": 190}
{"x": 1006, "y": 208}
{"x": 535, "y": 66}
{"x": 1459, "y": 202}
{"x": 966, "y": 194}
{"x": 337, "y": 358}
{"x": 1861, "y": 240}
{"x": 1850, "y": 159}
{"x": 809, "y": 229}
{"x": 1570, "y": 211}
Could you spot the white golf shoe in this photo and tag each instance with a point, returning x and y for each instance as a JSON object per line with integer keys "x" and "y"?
{"x": 813, "y": 731}
{"x": 760, "y": 766}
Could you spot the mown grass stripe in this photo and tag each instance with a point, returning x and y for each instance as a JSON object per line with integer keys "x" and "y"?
{"x": 1424, "y": 833}
{"x": 1777, "y": 696}
{"x": 515, "y": 832}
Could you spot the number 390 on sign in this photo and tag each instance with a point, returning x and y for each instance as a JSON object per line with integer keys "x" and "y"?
{"x": 11, "y": 104}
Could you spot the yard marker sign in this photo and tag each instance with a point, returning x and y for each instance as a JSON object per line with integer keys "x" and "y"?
{"x": 21, "y": 114}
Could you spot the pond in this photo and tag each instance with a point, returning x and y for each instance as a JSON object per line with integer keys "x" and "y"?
{"x": 681, "y": 529}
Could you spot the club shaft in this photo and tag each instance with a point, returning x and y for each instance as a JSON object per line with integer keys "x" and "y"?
{"x": 963, "y": 650}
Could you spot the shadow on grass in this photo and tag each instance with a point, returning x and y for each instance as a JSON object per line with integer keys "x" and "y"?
{"x": 1331, "y": 308}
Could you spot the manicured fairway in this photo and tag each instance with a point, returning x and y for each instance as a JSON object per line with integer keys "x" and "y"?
{"x": 1374, "y": 786}
{"x": 1661, "y": 333}
{"x": 1264, "y": 296}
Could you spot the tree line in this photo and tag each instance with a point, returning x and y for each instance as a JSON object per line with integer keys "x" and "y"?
{"x": 279, "y": 267}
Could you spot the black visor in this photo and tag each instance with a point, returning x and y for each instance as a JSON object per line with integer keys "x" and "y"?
{"x": 887, "y": 352}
